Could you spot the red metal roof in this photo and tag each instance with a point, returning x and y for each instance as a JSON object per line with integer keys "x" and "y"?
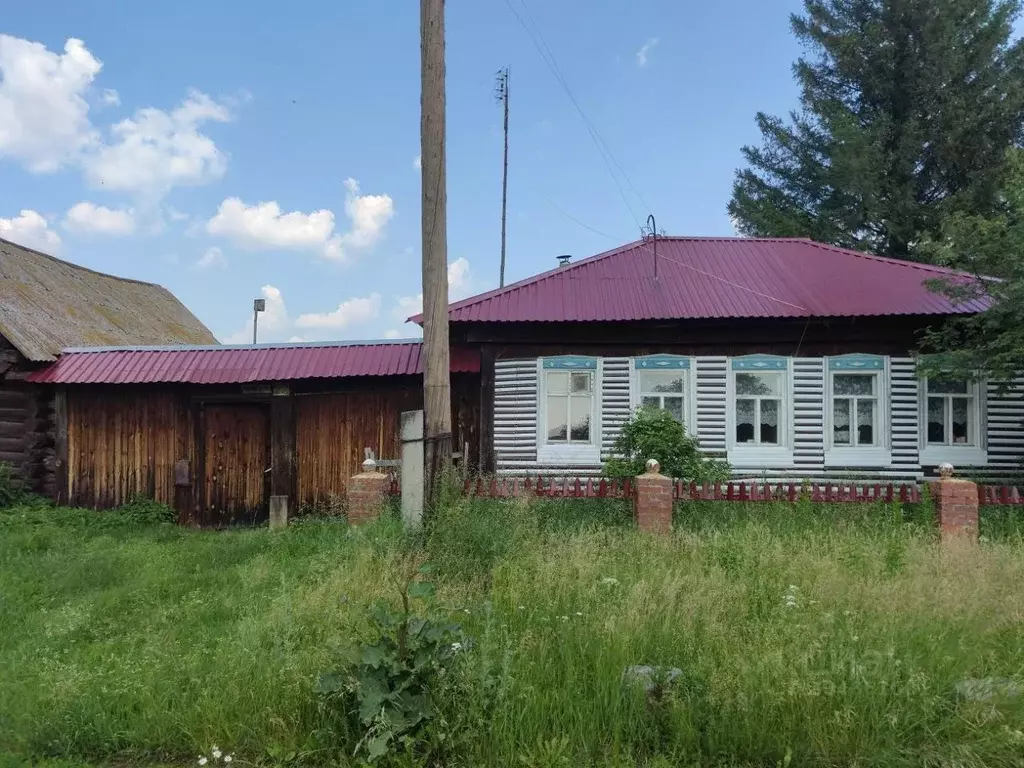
{"x": 718, "y": 278}
{"x": 243, "y": 364}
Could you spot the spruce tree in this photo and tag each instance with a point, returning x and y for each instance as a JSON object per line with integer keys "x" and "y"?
{"x": 907, "y": 110}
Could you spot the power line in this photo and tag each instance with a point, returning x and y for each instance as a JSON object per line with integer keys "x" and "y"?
{"x": 573, "y": 219}
{"x": 549, "y": 59}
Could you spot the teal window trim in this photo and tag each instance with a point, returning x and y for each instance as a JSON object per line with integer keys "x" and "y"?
{"x": 760, "y": 363}
{"x": 570, "y": 363}
{"x": 662, "y": 363}
{"x": 856, "y": 363}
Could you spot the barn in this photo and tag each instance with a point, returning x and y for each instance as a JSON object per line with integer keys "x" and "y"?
{"x": 46, "y": 305}
{"x": 216, "y": 431}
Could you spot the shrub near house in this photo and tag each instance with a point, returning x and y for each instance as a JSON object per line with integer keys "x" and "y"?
{"x": 653, "y": 433}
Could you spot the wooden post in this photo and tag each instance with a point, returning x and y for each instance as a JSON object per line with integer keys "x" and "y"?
{"x": 282, "y": 446}
{"x": 60, "y": 419}
{"x": 437, "y": 401}
{"x": 486, "y": 464}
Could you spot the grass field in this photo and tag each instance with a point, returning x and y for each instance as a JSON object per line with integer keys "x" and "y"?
{"x": 805, "y": 636}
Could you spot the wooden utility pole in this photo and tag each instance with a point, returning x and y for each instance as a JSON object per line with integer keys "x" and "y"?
{"x": 437, "y": 400}
{"x": 503, "y": 98}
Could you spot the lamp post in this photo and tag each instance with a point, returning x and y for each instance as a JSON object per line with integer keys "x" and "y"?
{"x": 258, "y": 305}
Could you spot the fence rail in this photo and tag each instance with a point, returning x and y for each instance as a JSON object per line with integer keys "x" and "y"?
{"x": 829, "y": 493}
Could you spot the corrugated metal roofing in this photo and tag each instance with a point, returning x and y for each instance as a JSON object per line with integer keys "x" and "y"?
{"x": 47, "y": 304}
{"x": 718, "y": 278}
{"x": 243, "y": 364}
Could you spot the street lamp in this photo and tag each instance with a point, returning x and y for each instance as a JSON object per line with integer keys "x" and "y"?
{"x": 258, "y": 305}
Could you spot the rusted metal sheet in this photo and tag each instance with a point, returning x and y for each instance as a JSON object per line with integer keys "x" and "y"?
{"x": 701, "y": 278}
{"x": 245, "y": 364}
{"x": 47, "y": 304}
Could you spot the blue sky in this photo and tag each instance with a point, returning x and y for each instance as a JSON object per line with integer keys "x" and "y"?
{"x": 227, "y": 152}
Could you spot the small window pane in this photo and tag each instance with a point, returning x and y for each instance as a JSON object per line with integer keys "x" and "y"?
{"x": 936, "y": 420}
{"x": 558, "y": 383}
{"x": 558, "y": 417}
{"x": 770, "y": 421}
{"x": 847, "y": 384}
{"x": 947, "y": 387}
{"x": 650, "y": 402}
{"x": 758, "y": 384}
{"x": 961, "y": 420}
{"x": 841, "y": 422}
{"x": 660, "y": 381}
{"x": 745, "y": 421}
{"x": 580, "y": 383}
{"x": 865, "y": 422}
{"x": 674, "y": 405}
{"x": 580, "y": 424}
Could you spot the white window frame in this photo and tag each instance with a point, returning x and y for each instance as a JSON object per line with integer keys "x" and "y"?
{"x": 685, "y": 365}
{"x": 570, "y": 454}
{"x": 840, "y": 455}
{"x": 973, "y": 455}
{"x": 747, "y": 455}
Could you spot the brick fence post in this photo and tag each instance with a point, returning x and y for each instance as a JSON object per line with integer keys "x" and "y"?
{"x": 956, "y": 505}
{"x": 652, "y": 502}
{"x": 366, "y": 493}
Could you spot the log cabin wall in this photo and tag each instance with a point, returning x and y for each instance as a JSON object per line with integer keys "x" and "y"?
{"x": 26, "y": 426}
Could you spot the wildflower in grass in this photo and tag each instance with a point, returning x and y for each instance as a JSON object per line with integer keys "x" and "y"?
{"x": 564, "y": 618}
{"x": 202, "y": 761}
{"x": 456, "y": 647}
{"x": 578, "y": 613}
{"x": 216, "y": 752}
{"x": 789, "y": 598}
{"x": 522, "y": 607}
{"x": 228, "y": 758}
{"x": 609, "y": 581}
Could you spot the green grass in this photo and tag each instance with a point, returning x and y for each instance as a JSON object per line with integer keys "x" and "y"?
{"x": 133, "y": 644}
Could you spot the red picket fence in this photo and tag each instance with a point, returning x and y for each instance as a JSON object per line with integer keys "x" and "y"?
{"x": 603, "y": 488}
{"x": 999, "y": 495}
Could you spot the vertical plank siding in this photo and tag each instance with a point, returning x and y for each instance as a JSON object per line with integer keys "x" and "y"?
{"x": 236, "y": 463}
{"x": 331, "y": 431}
{"x": 123, "y": 443}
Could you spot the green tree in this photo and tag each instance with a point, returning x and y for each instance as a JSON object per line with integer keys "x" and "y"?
{"x": 988, "y": 250}
{"x": 652, "y": 433}
{"x": 907, "y": 109}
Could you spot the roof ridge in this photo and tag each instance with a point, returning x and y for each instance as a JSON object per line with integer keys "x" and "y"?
{"x": 919, "y": 265}
{"x": 73, "y": 265}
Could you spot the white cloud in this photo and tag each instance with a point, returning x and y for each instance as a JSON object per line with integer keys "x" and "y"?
{"x": 417, "y": 163}
{"x": 264, "y": 226}
{"x": 31, "y": 230}
{"x": 409, "y": 332}
{"x": 459, "y": 287}
{"x": 44, "y": 117}
{"x": 89, "y": 218}
{"x": 646, "y": 48}
{"x": 110, "y": 98}
{"x": 213, "y": 258}
{"x": 155, "y": 150}
{"x": 350, "y": 312}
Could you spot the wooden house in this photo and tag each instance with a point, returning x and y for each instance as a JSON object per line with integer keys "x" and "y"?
{"x": 216, "y": 430}
{"x": 789, "y": 358}
{"x": 46, "y": 305}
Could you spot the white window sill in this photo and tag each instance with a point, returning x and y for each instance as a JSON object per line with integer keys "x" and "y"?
{"x": 579, "y": 455}
{"x": 760, "y": 456}
{"x": 858, "y": 457}
{"x": 957, "y": 455}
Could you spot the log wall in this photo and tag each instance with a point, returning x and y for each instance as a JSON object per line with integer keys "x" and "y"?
{"x": 26, "y": 426}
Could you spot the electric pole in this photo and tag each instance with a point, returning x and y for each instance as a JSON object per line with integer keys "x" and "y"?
{"x": 437, "y": 401}
{"x": 502, "y": 94}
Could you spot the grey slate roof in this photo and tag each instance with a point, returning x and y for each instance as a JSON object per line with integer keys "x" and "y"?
{"x": 47, "y": 305}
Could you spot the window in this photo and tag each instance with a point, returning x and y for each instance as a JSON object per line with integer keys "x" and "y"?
{"x": 856, "y": 421}
{"x": 569, "y": 396}
{"x": 758, "y": 408}
{"x": 661, "y": 382}
{"x": 570, "y": 403}
{"x": 950, "y": 413}
{"x": 758, "y": 416}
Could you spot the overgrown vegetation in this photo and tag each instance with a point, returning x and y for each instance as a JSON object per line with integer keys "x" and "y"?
{"x": 834, "y": 634}
{"x": 652, "y": 433}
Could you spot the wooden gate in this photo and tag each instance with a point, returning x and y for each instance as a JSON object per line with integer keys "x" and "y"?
{"x": 236, "y": 443}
